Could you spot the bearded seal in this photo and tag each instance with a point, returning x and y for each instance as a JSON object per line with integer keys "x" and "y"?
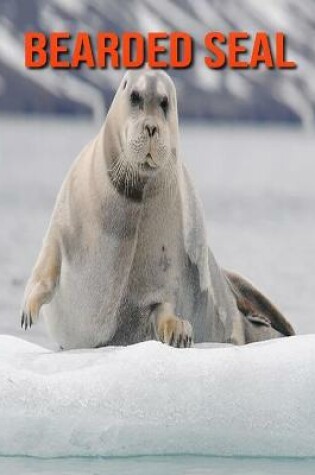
{"x": 125, "y": 258}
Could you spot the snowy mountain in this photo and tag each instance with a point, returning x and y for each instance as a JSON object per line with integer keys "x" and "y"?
{"x": 261, "y": 95}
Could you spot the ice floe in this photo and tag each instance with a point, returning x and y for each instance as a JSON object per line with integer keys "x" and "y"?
{"x": 255, "y": 400}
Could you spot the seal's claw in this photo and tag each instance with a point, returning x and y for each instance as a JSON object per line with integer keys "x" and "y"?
{"x": 22, "y": 319}
{"x": 32, "y": 304}
{"x": 186, "y": 340}
{"x": 27, "y": 319}
{"x": 179, "y": 340}
{"x": 174, "y": 331}
{"x": 172, "y": 339}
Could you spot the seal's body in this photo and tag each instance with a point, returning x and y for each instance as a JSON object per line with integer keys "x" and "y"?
{"x": 125, "y": 258}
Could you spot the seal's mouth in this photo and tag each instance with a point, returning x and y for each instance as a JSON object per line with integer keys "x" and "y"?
{"x": 149, "y": 162}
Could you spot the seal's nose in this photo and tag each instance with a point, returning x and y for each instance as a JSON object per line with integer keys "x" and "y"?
{"x": 150, "y": 128}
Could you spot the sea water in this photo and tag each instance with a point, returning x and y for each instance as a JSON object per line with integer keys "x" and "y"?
{"x": 167, "y": 465}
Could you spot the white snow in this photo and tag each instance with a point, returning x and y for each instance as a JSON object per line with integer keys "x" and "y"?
{"x": 256, "y": 400}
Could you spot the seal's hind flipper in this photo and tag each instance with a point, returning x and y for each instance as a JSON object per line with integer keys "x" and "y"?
{"x": 253, "y": 304}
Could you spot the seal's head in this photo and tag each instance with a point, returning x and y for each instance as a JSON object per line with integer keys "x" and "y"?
{"x": 141, "y": 131}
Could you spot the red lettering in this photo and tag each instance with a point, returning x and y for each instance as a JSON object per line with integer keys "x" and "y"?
{"x": 219, "y": 59}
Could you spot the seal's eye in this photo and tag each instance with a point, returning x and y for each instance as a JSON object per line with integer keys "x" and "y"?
{"x": 164, "y": 104}
{"x": 135, "y": 98}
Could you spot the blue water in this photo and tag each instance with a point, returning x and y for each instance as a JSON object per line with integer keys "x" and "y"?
{"x": 170, "y": 465}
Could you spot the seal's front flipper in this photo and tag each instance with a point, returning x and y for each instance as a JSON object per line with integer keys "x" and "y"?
{"x": 171, "y": 329}
{"x": 41, "y": 286}
{"x": 255, "y": 306}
